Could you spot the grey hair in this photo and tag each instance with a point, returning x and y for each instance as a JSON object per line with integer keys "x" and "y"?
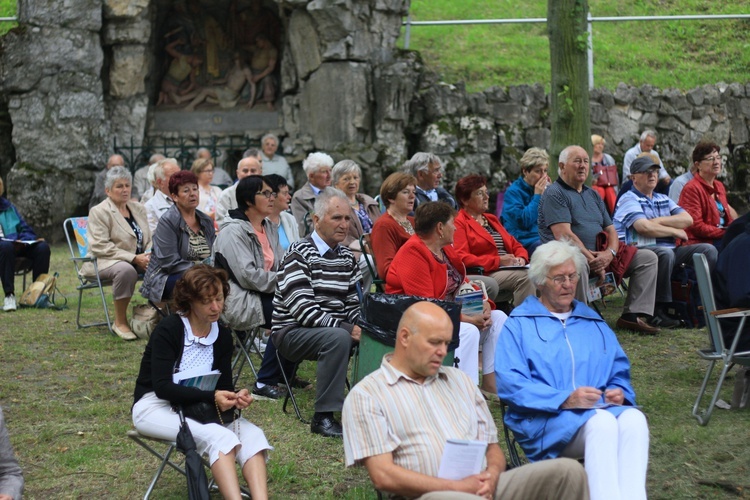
{"x": 554, "y": 253}
{"x": 115, "y": 174}
{"x": 563, "y": 158}
{"x": 421, "y": 162}
{"x": 316, "y": 161}
{"x": 269, "y": 136}
{"x": 646, "y": 134}
{"x": 158, "y": 169}
{"x": 250, "y": 152}
{"x": 533, "y": 157}
{"x": 344, "y": 167}
{"x": 323, "y": 200}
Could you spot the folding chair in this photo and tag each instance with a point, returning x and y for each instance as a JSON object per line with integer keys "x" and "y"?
{"x": 718, "y": 352}
{"x": 515, "y": 458}
{"x": 78, "y": 226}
{"x": 23, "y": 267}
{"x": 245, "y": 347}
{"x": 165, "y": 458}
{"x": 365, "y": 243}
{"x": 290, "y": 391}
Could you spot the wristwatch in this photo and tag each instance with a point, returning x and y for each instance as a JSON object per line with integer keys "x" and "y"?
{"x": 614, "y": 254}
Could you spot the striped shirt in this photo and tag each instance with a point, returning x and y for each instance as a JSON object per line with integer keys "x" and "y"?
{"x": 635, "y": 205}
{"x": 315, "y": 290}
{"x": 388, "y": 412}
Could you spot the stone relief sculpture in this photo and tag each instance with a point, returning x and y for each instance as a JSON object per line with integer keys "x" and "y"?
{"x": 219, "y": 63}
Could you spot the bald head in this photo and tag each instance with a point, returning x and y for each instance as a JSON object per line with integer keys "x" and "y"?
{"x": 115, "y": 161}
{"x": 424, "y": 332}
{"x": 249, "y": 166}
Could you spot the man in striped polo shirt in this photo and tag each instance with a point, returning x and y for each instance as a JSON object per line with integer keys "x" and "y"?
{"x": 398, "y": 419}
{"x": 652, "y": 220}
{"x": 316, "y": 308}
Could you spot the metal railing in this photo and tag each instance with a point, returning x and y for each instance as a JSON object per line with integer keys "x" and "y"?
{"x": 226, "y": 152}
{"x": 537, "y": 20}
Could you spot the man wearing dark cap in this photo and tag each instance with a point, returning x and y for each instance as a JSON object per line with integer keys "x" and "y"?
{"x": 648, "y": 219}
{"x": 571, "y": 210}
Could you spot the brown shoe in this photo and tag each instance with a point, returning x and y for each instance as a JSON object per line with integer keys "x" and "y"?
{"x": 638, "y": 325}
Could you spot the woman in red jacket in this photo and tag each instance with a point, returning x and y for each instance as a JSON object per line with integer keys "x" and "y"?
{"x": 428, "y": 266}
{"x": 705, "y": 198}
{"x": 481, "y": 241}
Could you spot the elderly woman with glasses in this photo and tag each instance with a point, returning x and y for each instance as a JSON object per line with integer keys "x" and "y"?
{"x": 184, "y": 237}
{"x": 566, "y": 381}
{"x": 705, "y": 198}
{"x": 120, "y": 239}
{"x": 482, "y": 241}
{"x": 203, "y": 168}
{"x": 365, "y": 210}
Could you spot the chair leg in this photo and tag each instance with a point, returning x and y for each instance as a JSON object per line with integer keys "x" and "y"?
{"x": 290, "y": 390}
{"x": 704, "y": 416}
{"x": 163, "y": 457}
{"x": 106, "y": 310}
{"x": 243, "y": 355}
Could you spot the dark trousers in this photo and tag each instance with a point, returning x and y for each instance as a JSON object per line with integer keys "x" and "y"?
{"x": 270, "y": 370}
{"x": 38, "y": 253}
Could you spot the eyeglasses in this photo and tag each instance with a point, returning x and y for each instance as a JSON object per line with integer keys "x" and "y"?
{"x": 562, "y": 279}
{"x": 268, "y": 194}
{"x": 207, "y": 171}
{"x": 482, "y": 193}
{"x": 713, "y": 159}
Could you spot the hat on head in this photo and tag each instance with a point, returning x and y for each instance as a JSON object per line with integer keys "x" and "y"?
{"x": 643, "y": 164}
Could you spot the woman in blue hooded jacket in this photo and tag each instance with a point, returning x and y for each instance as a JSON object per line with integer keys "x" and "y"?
{"x": 566, "y": 381}
{"x": 17, "y": 239}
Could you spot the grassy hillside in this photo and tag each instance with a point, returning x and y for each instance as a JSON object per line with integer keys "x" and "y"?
{"x": 7, "y": 9}
{"x": 681, "y": 54}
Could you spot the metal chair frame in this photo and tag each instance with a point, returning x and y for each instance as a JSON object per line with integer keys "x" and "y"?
{"x": 719, "y": 352}
{"x": 244, "y": 349}
{"x": 365, "y": 244}
{"x": 86, "y": 284}
{"x": 23, "y": 267}
{"x": 165, "y": 460}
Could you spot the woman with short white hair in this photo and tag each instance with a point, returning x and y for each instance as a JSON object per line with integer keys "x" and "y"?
{"x": 317, "y": 167}
{"x": 566, "y": 381}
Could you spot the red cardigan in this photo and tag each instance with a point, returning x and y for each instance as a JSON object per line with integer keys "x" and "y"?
{"x": 697, "y": 198}
{"x": 387, "y": 237}
{"x": 415, "y": 271}
{"x": 476, "y": 247}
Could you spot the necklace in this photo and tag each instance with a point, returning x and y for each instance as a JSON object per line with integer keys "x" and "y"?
{"x": 405, "y": 224}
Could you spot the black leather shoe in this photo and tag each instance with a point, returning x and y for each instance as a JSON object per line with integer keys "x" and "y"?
{"x": 269, "y": 391}
{"x": 662, "y": 320}
{"x": 327, "y": 427}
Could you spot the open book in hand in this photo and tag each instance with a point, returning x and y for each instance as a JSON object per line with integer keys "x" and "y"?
{"x": 462, "y": 458}
{"x": 202, "y": 377}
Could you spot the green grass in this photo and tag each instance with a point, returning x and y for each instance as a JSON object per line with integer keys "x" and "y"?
{"x": 7, "y": 9}
{"x": 67, "y": 394}
{"x": 680, "y": 54}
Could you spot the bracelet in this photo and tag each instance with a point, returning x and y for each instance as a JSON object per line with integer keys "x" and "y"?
{"x": 614, "y": 254}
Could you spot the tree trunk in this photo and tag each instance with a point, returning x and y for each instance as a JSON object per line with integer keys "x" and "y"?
{"x": 568, "y": 44}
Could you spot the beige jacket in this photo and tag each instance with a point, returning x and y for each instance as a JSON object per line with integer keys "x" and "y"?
{"x": 111, "y": 239}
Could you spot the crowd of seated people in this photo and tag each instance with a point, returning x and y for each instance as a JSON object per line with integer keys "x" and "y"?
{"x": 299, "y": 276}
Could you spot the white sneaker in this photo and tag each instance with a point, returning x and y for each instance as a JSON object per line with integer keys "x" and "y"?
{"x": 10, "y": 303}
{"x": 260, "y": 345}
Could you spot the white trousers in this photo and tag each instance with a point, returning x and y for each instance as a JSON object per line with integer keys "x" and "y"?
{"x": 468, "y": 349}
{"x": 615, "y": 450}
{"x": 154, "y": 417}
